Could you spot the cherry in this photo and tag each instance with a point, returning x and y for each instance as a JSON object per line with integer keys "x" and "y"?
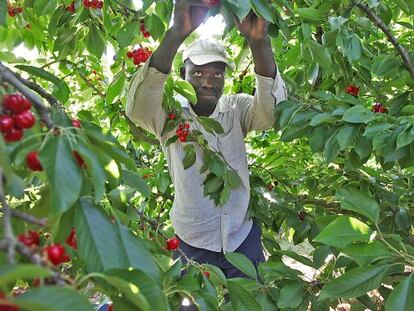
{"x": 71, "y": 7}
{"x": 76, "y": 123}
{"x": 173, "y": 244}
{"x": 187, "y": 125}
{"x": 13, "y": 134}
{"x": 6, "y": 123}
{"x": 55, "y": 253}
{"x": 15, "y": 103}
{"x": 19, "y": 10}
{"x": 302, "y": 215}
{"x": 33, "y": 162}
{"x": 171, "y": 116}
{"x": 130, "y": 54}
{"x": 25, "y": 119}
{"x": 379, "y": 108}
{"x": 30, "y": 239}
{"x": 353, "y": 90}
{"x": 110, "y": 308}
{"x": 270, "y": 187}
{"x": 212, "y": 3}
{"x": 71, "y": 239}
{"x": 79, "y": 159}
{"x": 206, "y": 273}
{"x": 11, "y": 11}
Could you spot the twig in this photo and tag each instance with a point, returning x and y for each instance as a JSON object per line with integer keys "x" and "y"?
{"x": 10, "y": 239}
{"x": 28, "y": 218}
{"x": 138, "y": 134}
{"x": 91, "y": 85}
{"x": 377, "y": 21}
{"x": 24, "y": 87}
{"x": 127, "y": 8}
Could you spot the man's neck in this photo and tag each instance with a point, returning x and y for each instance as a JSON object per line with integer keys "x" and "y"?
{"x": 203, "y": 110}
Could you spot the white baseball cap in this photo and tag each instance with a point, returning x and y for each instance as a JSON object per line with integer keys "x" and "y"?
{"x": 204, "y": 51}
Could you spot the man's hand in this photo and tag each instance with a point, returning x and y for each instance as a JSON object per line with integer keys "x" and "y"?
{"x": 253, "y": 28}
{"x": 188, "y": 15}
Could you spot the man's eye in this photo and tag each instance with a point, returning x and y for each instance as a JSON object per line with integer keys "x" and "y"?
{"x": 197, "y": 74}
{"x": 218, "y": 75}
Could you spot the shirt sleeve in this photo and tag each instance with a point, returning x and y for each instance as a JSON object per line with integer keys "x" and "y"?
{"x": 257, "y": 112}
{"x": 144, "y": 99}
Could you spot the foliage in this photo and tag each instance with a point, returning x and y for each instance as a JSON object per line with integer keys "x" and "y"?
{"x": 332, "y": 171}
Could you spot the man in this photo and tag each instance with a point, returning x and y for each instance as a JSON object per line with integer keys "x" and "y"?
{"x": 205, "y": 231}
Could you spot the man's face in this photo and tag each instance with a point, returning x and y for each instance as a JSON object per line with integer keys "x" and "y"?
{"x": 207, "y": 80}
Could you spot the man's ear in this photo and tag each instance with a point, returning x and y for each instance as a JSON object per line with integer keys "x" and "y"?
{"x": 182, "y": 72}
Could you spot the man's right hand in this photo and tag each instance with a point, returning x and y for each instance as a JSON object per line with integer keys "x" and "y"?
{"x": 188, "y": 15}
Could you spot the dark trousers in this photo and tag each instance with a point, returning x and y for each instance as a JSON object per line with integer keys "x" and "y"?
{"x": 251, "y": 248}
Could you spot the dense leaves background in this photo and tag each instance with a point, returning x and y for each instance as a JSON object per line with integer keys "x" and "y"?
{"x": 332, "y": 172}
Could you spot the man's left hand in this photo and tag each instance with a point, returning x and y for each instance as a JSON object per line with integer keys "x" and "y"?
{"x": 253, "y": 27}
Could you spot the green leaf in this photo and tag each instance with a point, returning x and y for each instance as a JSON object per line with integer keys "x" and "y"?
{"x": 213, "y": 184}
{"x": 354, "y": 283}
{"x": 210, "y": 125}
{"x": 224, "y": 195}
{"x": 263, "y": 9}
{"x": 94, "y": 42}
{"x": 61, "y": 91}
{"x": 310, "y": 14}
{"x": 406, "y": 137}
{"x": 11, "y": 273}
{"x": 3, "y": 12}
{"x": 65, "y": 178}
{"x": 375, "y": 128}
{"x": 233, "y": 179}
{"x": 95, "y": 236}
{"x": 358, "y": 114}
{"x": 135, "y": 181}
{"x": 343, "y": 231}
{"x": 275, "y": 270}
{"x": 115, "y": 88}
{"x": 332, "y": 148}
{"x": 320, "y": 54}
{"x": 291, "y": 295}
{"x": 357, "y": 201}
{"x": 186, "y": 89}
{"x": 402, "y": 297}
{"x": 321, "y": 118}
{"x": 365, "y": 253}
{"x": 240, "y": 8}
{"x": 241, "y": 299}
{"x": 53, "y": 298}
{"x": 242, "y": 263}
{"x": 155, "y": 26}
{"x": 384, "y": 64}
{"x": 346, "y": 135}
{"x": 127, "y": 33}
{"x": 190, "y": 156}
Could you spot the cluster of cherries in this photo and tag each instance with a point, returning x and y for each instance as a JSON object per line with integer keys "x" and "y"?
{"x": 183, "y": 129}
{"x": 353, "y": 90}
{"x": 16, "y": 117}
{"x": 379, "y": 108}
{"x": 71, "y": 7}
{"x": 14, "y": 10}
{"x": 56, "y": 253}
{"x": 32, "y": 158}
{"x": 94, "y": 4}
{"x": 139, "y": 55}
{"x": 144, "y": 31}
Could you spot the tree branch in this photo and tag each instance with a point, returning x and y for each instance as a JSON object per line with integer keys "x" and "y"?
{"x": 10, "y": 239}
{"x": 28, "y": 218}
{"x": 138, "y": 134}
{"x": 377, "y": 21}
{"x": 24, "y": 87}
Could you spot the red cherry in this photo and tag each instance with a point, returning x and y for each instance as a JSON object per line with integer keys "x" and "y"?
{"x": 25, "y": 120}
{"x": 30, "y": 239}
{"x": 146, "y": 34}
{"x": 55, "y": 253}
{"x": 270, "y": 187}
{"x": 26, "y": 103}
{"x": 173, "y": 244}
{"x": 183, "y": 138}
{"x": 187, "y": 125}
{"x": 79, "y": 159}
{"x": 110, "y": 308}
{"x": 71, "y": 7}
{"x": 19, "y": 10}
{"x": 71, "y": 239}
{"x": 76, "y": 123}
{"x": 171, "y": 116}
{"x": 302, "y": 215}
{"x": 14, "y": 102}
{"x": 100, "y": 5}
{"x": 130, "y": 54}
{"x": 179, "y": 132}
{"x": 87, "y": 3}
{"x": 352, "y": 89}
{"x": 13, "y": 135}
{"x": 33, "y": 162}
{"x": 212, "y": 3}
{"x": 206, "y": 273}
{"x": 11, "y": 12}
{"x": 65, "y": 258}
{"x": 6, "y": 123}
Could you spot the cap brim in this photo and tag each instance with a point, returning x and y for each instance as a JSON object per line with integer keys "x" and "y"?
{"x": 206, "y": 59}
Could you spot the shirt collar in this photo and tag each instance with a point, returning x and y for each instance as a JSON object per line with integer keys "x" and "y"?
{"x": 221, "y": 107}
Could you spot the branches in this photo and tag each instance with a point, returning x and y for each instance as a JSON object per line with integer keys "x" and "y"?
{"x": 377, "y": 21}
{"x": 23, "y": 86}
{"x": 28, "y": 218}
{"x": 9, "y": 237}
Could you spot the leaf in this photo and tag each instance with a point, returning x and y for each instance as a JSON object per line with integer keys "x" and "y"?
{"x": 384, "y": 64}
{"x": 310, "y": 14}
{"x": 241, "y": 299}
{"x": 354, "y": 283}
{"x": 365, "y": 253}
{"x": 11, "y": 273}
{"x": 94, "y": 42}
{"x": 291, "y": 295}
{"x": 210, "y": 125}
{"x": 275, "y": 270}
{"x": 127, "y": 33}
{"x": 224, "y": 195}
{"x": 213, "y": 184}
{"x": 321, "y": 118}
{"x": 332, "y": 148}
{"x": 65, "y": 178}
{"x": 375, "y": 128}
{"x": 357, "y": 201}
{"x": 233, "y": 179}
{"x": 190, "y": 156}
{"x": 240, "y": 8}
{"x": 155, "y": 26}
{"x": 346, "y": 135}
{"x": 358, "y": 114}
{"x": 320, "y": 54}
{"x": 242, "y": 263}
{"x": 405, "y": 138}
{"x": 343, "y": 231}
{"x": 53, "y": 298}
{"x": 3, "y": 12}
{"x": 135, "y": 181}
{"x": 186, "y": 89}
{"x": 95, "y": 236}
{"x": 263, "y": 9}
{"x": 115, "y": 88}
{"x": 402, "y": 297}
